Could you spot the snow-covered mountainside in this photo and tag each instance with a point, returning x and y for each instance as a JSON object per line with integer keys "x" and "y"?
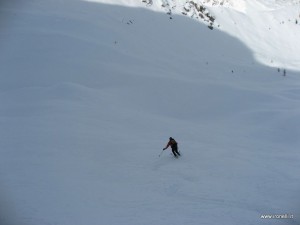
{"x": 271, "y": 28}
{"x": 91, "y": 91}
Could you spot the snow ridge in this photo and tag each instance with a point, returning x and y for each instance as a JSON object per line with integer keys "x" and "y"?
{"x": 195, "y": 9}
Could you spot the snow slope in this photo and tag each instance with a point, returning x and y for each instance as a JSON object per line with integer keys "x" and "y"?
{"x": 270, "y": 28}
{"x": 90, "y": 94}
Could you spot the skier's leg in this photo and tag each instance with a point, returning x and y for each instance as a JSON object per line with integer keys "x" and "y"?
{"x": 174, "y": 153}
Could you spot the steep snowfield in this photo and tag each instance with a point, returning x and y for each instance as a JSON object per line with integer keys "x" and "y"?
{"x": 270, "y": 28}
{"x": 90, "y": 94}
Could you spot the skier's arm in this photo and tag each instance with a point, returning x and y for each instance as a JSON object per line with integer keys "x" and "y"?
{"x": 167, "y": 146}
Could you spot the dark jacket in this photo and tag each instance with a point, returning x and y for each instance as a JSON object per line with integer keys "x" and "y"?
{"x": 171, "y": 143}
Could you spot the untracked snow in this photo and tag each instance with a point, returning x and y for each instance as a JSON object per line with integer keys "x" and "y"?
{"x": 270, "y": 28}
{"x": 90, "y": 93}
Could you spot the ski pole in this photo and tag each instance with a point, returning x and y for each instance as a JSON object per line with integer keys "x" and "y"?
{"x": 160, "y": 153}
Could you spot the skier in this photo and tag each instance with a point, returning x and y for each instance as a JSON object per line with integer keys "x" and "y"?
{"x": 174, "y": 147}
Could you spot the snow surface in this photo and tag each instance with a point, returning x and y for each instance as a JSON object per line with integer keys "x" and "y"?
{"x": 91, "y": 92}
{"x": 270, "y": 28}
